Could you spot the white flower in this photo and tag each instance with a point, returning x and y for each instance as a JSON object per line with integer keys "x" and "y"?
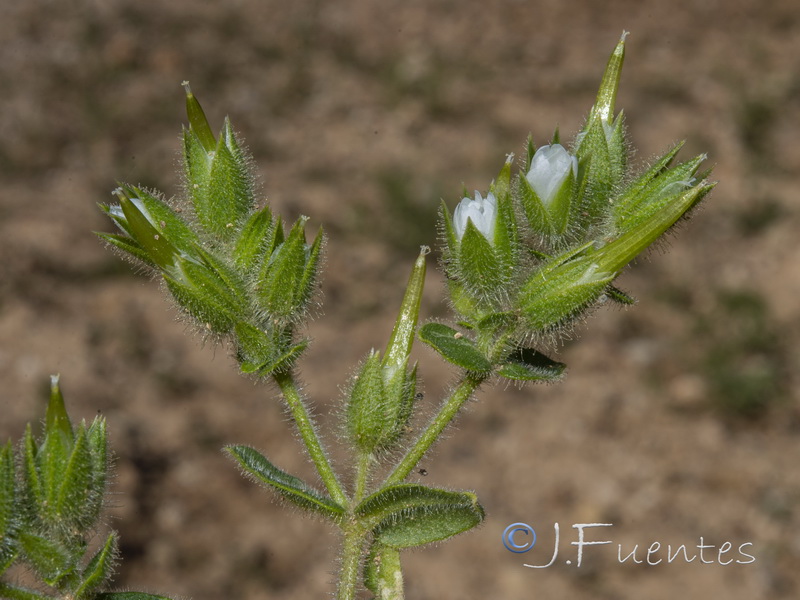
{"x": 481, "y": 211}
{"x": 550, "y": 167}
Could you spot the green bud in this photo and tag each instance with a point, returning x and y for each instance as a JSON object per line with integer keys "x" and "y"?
{"x": 405, "y": 328}
{"x": 217, "y": 174}
{"x": 367, "y": 421}
{"x": 57, "y": 423}
{"x": 287, "y": 281}
{"x": 482, "y": 245}
{"x": 256, "y": 240}
{"x": 561, "y": 288}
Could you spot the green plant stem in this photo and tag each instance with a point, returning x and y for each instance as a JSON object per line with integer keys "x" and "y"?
{"x": 450, "y": 408}
{"x": 362, "y": 471}
{"x": 352, "y": 549}
{"x": 305, "y": 425}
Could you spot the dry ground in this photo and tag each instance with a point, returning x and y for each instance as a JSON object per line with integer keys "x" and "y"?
{"x": 679, "y": 417}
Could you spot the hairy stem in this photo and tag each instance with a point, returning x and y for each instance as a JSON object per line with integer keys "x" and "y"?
{"x": 305, "y": 425}
{"x": 352, "y": 549}
{"x": 450, "y": 408}
{"x": 362, "y": 471}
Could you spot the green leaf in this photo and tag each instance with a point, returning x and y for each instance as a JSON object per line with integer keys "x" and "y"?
{"x": 99, "y": 569}
{"x": 454, "y": 347}
{"x": 162, "y": 217}
{"x": 408, "y": 515}
{"x": 527, "y": 364}
{"x": 293, "y": 489}
{"x": 603, "y": 109}
{"x": 34, "y": 487}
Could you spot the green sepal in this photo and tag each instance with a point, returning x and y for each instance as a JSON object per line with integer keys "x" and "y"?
{"x": 401, "y": 341}
{"x": 367, "y": 420}
{"x": 536, "y": 213}
{"x": 603, "y": 109}
{"x": 527, "y": 364}
{"x": 283, "y": 286}
{"x": 614, "y": 256}
{"x": 408, "y": 515}
{"x": 619, "y": 296}
{"x": 494, "y": 322}
{"x": 228, "y": 196}
{"x": 158, "y": 248}
{"x": 636, "y": 206}
{"x": 13, "y": 592}
{"x": 74, "y": 488}
{"x": 34, "y": 487}
{"x": 454, "y": 347}
{"x": 308, "y": 280}
{"x": 560, "y": 290}
{"x": 100, "y": 568}
{"x": 256, "y": 240}
{"x": 198, "y": 121}
{"x": 9, "y": 520}
{"x": 52, "y": 560}
{"x": 167, "y": 223}
{"x": 265, "y": 352}
{"x": 127, "y": 245}
{"x": 506, "y": 236}
{"x": 208, "y": 290}
{"x": 383, "y": 575}
{"x": 129, "y": 596}
{"x": 296, "y": 491}
{"x": 57, "y": 423}
{"x": 478, "y": 265}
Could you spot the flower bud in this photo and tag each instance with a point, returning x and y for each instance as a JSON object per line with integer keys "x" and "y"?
{"x": 482, "y": 212}
{"x": 550, "y": 167}
{"x": 546, "y": 190}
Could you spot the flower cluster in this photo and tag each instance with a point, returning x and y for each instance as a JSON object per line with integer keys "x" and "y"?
{"x": 230, "y": 266}
{"x": 546, "y": 244}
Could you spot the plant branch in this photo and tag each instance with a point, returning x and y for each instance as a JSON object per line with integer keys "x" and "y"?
{"x": 450, "y": 408}
{"x": 305, "y": 425}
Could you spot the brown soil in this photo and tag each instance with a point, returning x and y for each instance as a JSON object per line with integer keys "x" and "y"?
{"x": 679, "y": 417}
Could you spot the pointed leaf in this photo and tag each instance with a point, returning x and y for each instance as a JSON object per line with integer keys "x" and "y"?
{"x": 279, "y": 282}
{"x": 127, "y": 245}
{"x": 75, "y": 489}
{"x": 57, "y": 421}
{"x": 603, "y": 108}
{"x": 407, "y": 515}
{"x": 198, "y": 121}
{"x": 290, "y": 487}
{"x": 454, "y": 347}
{"x": 367, "y": 419}
{"x": 13, "y": 592}
{"x": 527, "y": 364}
{"x": 620, "y": 297}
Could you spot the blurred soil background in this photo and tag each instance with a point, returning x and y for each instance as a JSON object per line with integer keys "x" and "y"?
{"x": 679, "y": 417}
